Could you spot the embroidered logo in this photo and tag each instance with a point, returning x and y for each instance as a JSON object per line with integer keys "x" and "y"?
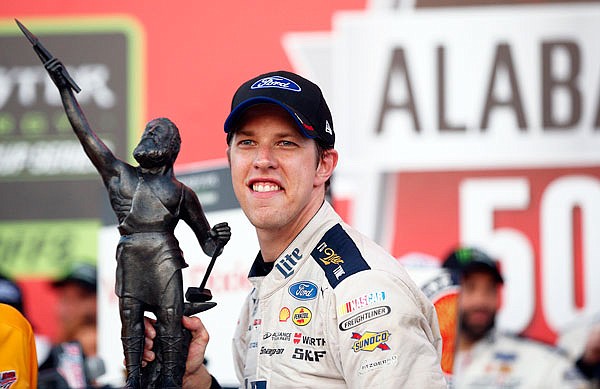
{"x": 288, "y": 262}
{"x": 330, "y": 256}
{"x": 361, "y": 302}
{"x": 301, "y": 316}
{"x": 303, "y": 290}
{"x": 284, "y": 314}
{"x": 365, "y": 316}
{"x": 276, "y": 82}
{"x": 369, "y": 341}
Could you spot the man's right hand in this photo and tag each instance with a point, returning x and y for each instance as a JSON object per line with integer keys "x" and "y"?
{"x": 196, "y": 375}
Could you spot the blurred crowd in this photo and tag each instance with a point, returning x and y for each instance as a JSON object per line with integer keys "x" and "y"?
{"x": 69, "y": 360}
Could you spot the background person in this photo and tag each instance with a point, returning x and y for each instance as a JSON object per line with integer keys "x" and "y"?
{"x": 18, "y": 359}
{"x": 486, "y": 357}
{"x": 72, "y": 361}
{"x": 78, "y": 306}
{"x": 11, "y": 294}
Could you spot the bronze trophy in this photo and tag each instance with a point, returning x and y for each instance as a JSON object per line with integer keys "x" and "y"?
{"x": 148, "y": 202}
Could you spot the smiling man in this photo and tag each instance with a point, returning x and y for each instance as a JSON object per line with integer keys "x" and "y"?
{"x": 329, "y": 307}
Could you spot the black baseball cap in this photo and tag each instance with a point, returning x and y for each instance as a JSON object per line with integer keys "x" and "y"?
{"x": 466, "y": 260}
{"x": 11, "y": 294}
{"x": 82, "y": 274}
{"x": 301, "y": 98}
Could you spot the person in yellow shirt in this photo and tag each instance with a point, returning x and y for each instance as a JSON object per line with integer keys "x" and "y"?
{"x": 18, "y": 359}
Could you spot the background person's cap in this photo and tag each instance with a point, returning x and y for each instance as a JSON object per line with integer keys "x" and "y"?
{"x": 301, "y": 98}
{"x": 465, "y": 260}
{"x": 82, "y": 274}
{"x": 11, "y": 294}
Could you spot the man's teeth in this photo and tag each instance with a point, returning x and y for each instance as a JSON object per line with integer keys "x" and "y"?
{"x": 265, "y": 187}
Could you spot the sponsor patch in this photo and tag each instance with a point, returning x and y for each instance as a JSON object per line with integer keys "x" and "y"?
{"x": 365, "y": 316}
{"x": 303, "y": 290}
{"x": 369, "y": 341}
{"x": 308, "y": 355}
{"x": 338, "y": 256}
{"x": 256, "y": 384}
{"x": 368, "y": 366}
{"x": 287, "y": 264}
{"x": 301, "y": 316}
{"x": 361, "y": 302}
{"x": 277, "y": 336}
{"x": 284, "y": 314}
{"x": 271, "y": 351}
{"x": 276, "y": 82}
{"x": 7, "y": 378}
{"x": 308, "y": 340}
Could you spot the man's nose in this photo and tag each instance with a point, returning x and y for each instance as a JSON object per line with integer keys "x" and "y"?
{"x": 264, "y": 158}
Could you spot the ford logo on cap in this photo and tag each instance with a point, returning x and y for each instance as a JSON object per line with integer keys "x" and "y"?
{"x": 276, "y": 82}
{"x": 303, "y": 290}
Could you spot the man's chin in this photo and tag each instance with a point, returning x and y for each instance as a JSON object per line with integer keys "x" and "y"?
{"x": 476, "y": 331}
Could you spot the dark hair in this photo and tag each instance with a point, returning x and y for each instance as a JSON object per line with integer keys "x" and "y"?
{"x": 320, "y": 154}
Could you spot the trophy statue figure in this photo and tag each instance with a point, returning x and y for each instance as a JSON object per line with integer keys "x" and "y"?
{"x": 148, "y": 201}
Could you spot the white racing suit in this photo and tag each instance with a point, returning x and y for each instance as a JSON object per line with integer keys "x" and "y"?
{"x": 506, "y": 361}
{"x": 336, "y": 311}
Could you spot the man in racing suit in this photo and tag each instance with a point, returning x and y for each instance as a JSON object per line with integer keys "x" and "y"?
{"x": 336, "y": 311}
{"x": 329, "y": 308}
{"x": 486, "y": 358}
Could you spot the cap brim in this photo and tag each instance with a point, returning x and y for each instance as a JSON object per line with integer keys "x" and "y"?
{"x": 71, "y": 280}
{"x": 485, "y": 267}
{"x": 239, "y": 110}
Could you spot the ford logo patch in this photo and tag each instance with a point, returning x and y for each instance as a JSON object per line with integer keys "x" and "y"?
{"x": 303, "y": 290}
{"x": 276, "y": 82}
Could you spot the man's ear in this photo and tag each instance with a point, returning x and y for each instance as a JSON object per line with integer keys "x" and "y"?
{"x": 326, "y": 166}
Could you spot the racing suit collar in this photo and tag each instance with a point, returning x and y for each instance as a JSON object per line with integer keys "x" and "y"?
{"x": 260, "y": 268}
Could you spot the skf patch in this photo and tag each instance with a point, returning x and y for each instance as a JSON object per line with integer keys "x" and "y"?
{"x": 369, "y": 341}
{"x": 7, "y": 378}
{"x": 301, "y": 316}
{"x": 338, "y": 256}
{"x": 284, "y": 314}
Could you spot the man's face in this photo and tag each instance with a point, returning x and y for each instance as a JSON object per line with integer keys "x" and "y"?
{"x": 478, "y": 304}
{"x": 76, "y": 307}
{"x": 276, "y": 174}
{"x": 154, "y": 147}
